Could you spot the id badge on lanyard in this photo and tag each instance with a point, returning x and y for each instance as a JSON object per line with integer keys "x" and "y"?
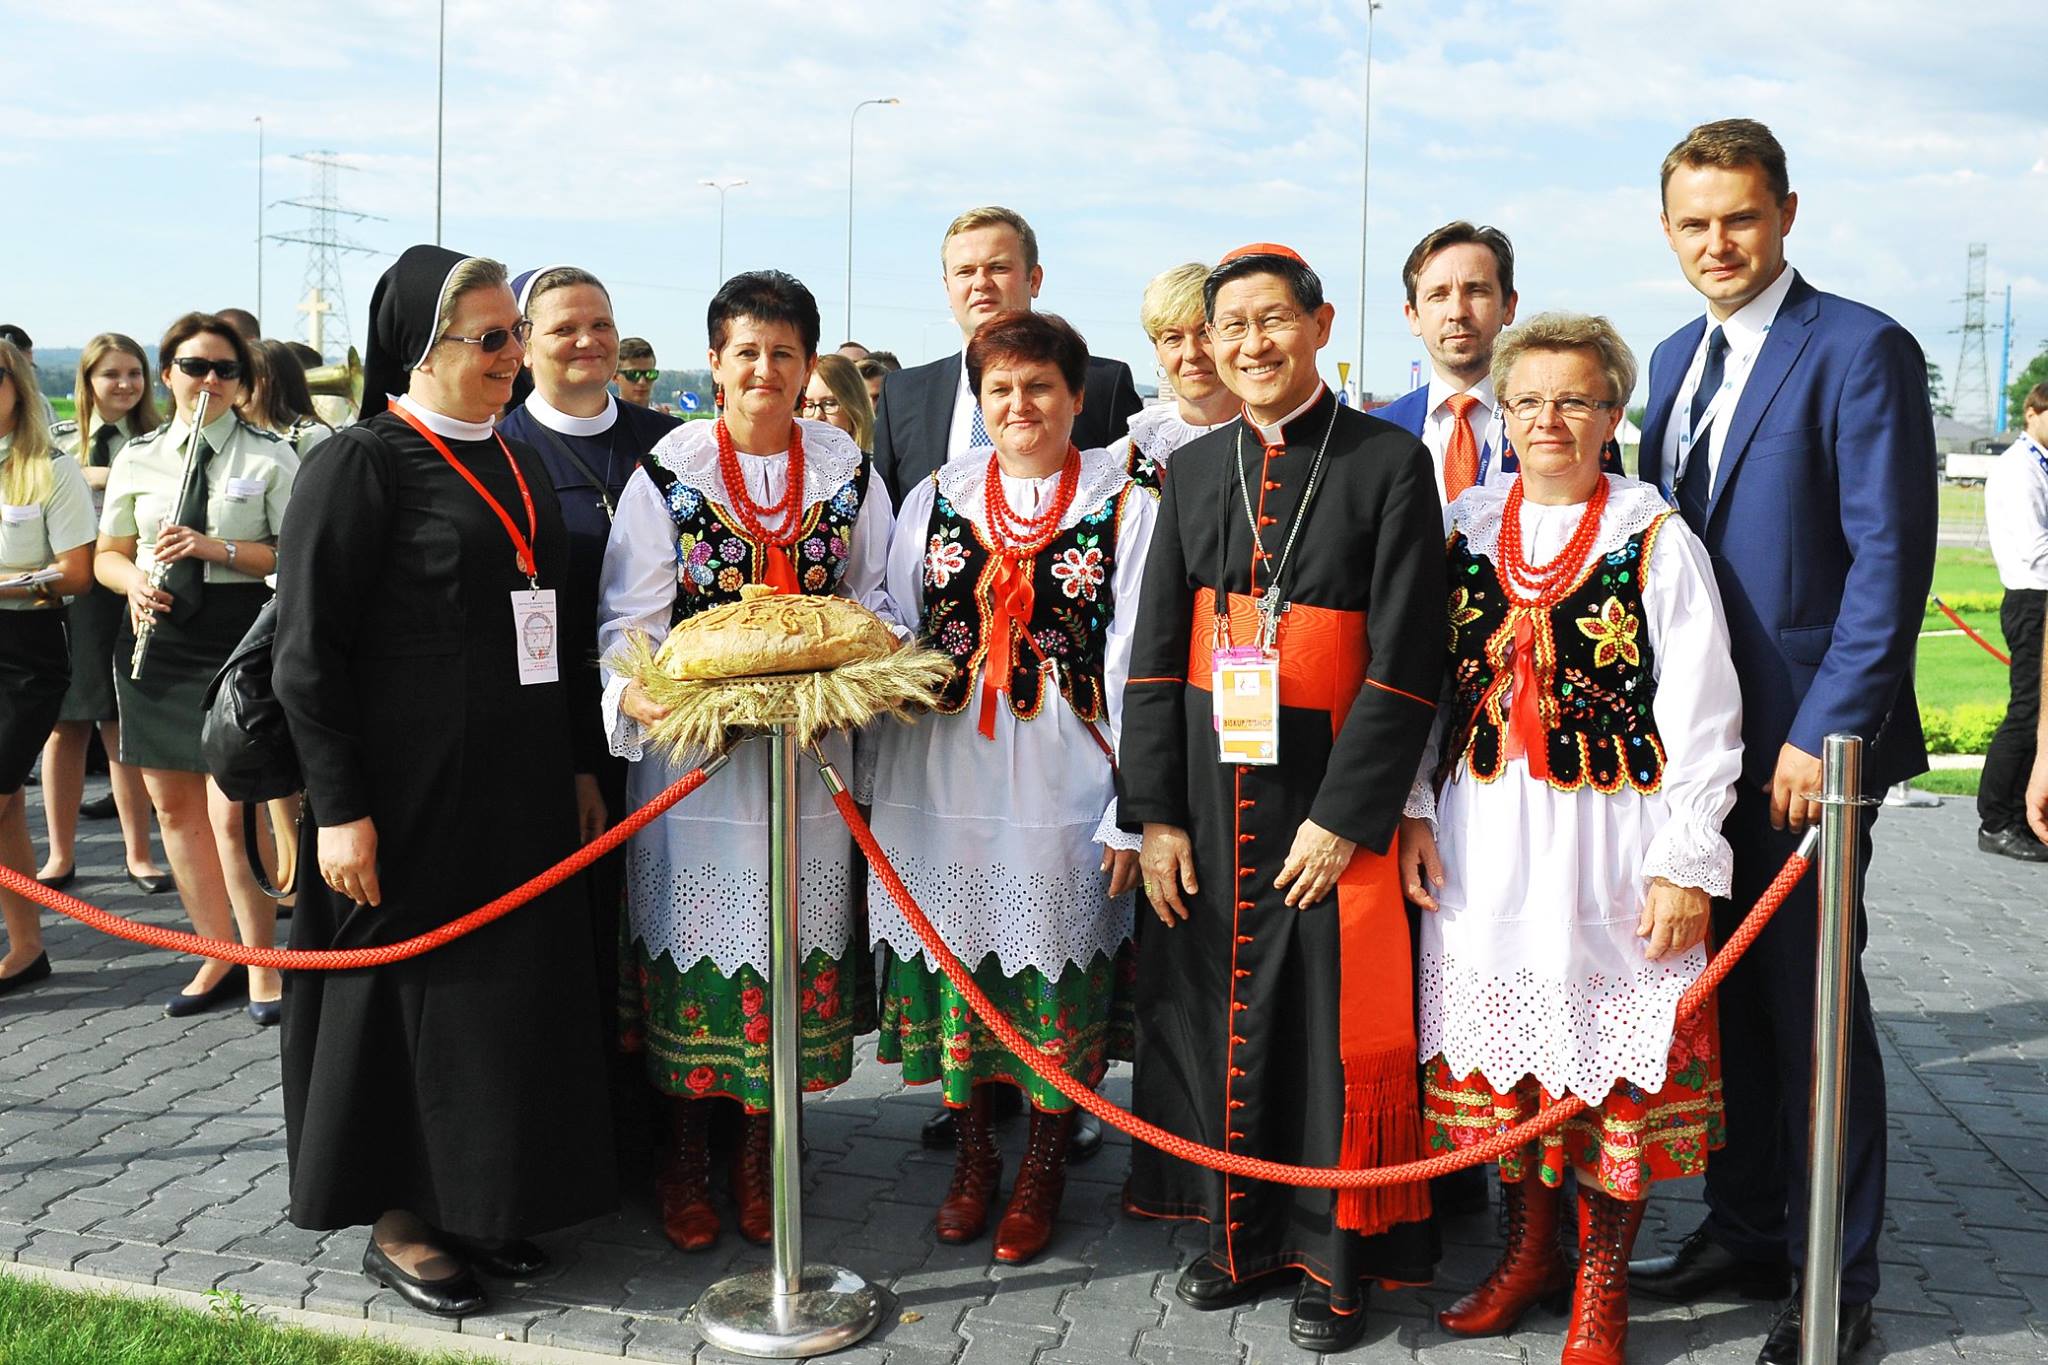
{"x": 537, "y": 636}
{"x": 1244, "y": 685}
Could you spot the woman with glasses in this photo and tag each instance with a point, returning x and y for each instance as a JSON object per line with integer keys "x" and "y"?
{"x": 45, "y": 556}
{"x": 1568, "y": 841}
{"x": 837, "y": 394}
{"x": 114, "y": 405}
{"x": 1171, "y": 315}
{"x": 455, "y": 1101}
{"x": 210, "y": 523}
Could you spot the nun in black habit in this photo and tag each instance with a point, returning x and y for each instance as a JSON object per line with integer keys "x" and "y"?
{"x": 424, "y": 659}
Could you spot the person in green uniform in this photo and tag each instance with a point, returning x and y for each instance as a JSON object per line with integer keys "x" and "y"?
{"x": 115, "y": 405}
{"x": 216, "y": 533}
{"x": 45, "y": 555}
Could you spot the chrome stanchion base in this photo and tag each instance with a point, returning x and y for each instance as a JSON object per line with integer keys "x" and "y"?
{"x": 832, "y": 1309}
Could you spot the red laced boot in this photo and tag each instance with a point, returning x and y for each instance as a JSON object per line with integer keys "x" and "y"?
{"x": 753, "y": 1180}
{"x": 1532, "y": 1267}
{"x": 684, "y": 1186}
{"x": 1041, "y": 1181}
{"x": 977, "y": 1170}
{"x": 1607, "y": 1230}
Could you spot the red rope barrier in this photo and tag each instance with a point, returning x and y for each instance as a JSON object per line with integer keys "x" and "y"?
{"x": 353, "y": 959}
{"x": 1993, "y": 650}
{"x": 1231, "y": 1163}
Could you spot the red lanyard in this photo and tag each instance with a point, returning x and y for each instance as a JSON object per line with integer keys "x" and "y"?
{"x": 522, "y": 545}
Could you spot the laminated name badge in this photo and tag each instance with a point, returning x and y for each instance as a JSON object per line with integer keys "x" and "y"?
{"x": 241, "y": 490}
{"x": 535, "y": 635}
{"x": 1245, "y": 693}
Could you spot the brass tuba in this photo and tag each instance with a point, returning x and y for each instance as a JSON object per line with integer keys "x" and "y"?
{"x": 344, "y": 380}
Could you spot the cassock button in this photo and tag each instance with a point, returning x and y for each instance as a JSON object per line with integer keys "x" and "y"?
{"x": 1235, "y": 1225}
{"x": 1246, "y": 871}
{"x": 1241, "y": 973}
{"x": 1244, "y": 938}
{"x": 1246, "y": 905}
{"x": 1245, "y": 804}
{"x": 1269, "y": 521}
{"x": 1238, "y": 1194}
{"x": 1236, "y": 1136}
{"x": 1237, "y": 1104}
{"x": 1236, "y": 1039}
{"x": 1272, "y": 484}
{"x": 1246, "y": 838}
{"x": 1236, "y": 1005}
{"x": 1237, "y": 1071}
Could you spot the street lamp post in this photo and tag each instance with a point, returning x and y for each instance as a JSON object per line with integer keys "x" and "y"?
{"x": 852, "y": 119}
{"x": 1365, "y": 197}
{"x": 259, "y": 215}
{"x": 440, "y": 109}
{"x": 721, "y": 186}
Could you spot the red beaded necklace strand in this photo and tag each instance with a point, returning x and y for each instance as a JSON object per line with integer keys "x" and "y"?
{"x": 1543, "y": 586}
{"x": 787, "y": 511}
{"x": 1023, "y": 537}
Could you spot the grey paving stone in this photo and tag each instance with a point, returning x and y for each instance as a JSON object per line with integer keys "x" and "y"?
{"x": 199, "y": 1270}
{"x": 343, "y": 1293}
{"x": 130, "y": 1261}
{"x": 271, "y": 1282}
{"x": 584, "y": 1329}
{"x": 665, "y": 1339}
{"x": 59, "y": 1250}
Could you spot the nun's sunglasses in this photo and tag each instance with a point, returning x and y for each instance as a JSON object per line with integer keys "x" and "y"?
{"x": 494, "y": 340}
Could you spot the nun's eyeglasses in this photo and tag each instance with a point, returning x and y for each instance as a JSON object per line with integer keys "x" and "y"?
{"x": 494, "y": 340}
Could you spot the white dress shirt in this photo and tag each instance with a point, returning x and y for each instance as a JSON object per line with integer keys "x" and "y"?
{"x": 1745, "y": 329}
{"x": 1438, "y": 423}
{"x": 2016, "y": 515}
{"x": 959, "y": 434}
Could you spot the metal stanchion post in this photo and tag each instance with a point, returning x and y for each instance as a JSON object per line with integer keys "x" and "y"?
{"x": 790, "y": 1309}
{"x": 1841, "y": 837}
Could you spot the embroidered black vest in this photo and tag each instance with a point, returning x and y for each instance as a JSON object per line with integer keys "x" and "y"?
{"x": 1594, "y": 669}
{"x": 1072, "y": 601}
{"x": 715, "y": 558}
{"x": 1146, "y": 471}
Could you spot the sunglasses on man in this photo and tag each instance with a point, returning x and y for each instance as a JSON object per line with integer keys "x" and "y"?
{"x": 193, "y": 367}
{"x": 639, "y": 376}
{"x": 495, "y": 340}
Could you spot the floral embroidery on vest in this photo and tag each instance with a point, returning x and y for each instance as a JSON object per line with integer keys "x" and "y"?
{"x": 715, "y": 558}
{"x": 1593, "y": 662}
{"x": 1072, "y": 604}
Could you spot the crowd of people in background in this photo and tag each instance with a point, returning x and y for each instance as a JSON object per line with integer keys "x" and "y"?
{"x": 1367, "y": 780}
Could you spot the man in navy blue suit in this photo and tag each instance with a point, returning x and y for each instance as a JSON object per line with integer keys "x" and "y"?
{"x": 1793, "y": 429}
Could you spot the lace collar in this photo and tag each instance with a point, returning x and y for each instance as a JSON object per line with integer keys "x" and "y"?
{"x": 962, "y": 482}
{"x": 1158, "y": 429}
{"x": 1631, "y": 506}
{"x": 690, "y": 452}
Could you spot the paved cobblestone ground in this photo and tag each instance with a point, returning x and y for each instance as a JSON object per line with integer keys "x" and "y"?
{"x": 152, "y": 1150}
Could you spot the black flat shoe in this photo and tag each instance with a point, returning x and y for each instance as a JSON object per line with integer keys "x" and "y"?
{"x": 1315, "y": 1326}
{"x": 59, "y": 883}
{"x": 231, "y": 986}
{"x": 1206, "y": 1286}
{"x": 152, "y": 886}
{"x": 2017, "y": 843}
{"x": 456, "y": 1296}
{"x": 266, "y": 1013}
{"x": 99, "y": 808}
{"x": 517, "y": 1259}
{"x": 39, "y": 970}
{"x": 1781, "y": 1346}
{"x": 1702, "y": 1266}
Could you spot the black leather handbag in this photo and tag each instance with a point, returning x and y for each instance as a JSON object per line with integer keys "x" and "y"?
{"x": 244, "y": 739}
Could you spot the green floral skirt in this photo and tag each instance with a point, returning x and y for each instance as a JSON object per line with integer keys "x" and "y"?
{"x": 704, "y": 1033}
{"x": 1082, "y": 1020}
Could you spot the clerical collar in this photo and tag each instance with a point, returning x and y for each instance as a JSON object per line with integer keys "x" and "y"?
{"x": 554, "y": 419}
{"x": 441, "y": 424}
{"x": 1276, "y": 435}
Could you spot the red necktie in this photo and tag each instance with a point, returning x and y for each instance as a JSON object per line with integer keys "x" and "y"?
{"x": 1461, "y": 456}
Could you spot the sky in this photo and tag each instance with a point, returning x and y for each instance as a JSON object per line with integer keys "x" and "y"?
{"x": 1134, "y": 136}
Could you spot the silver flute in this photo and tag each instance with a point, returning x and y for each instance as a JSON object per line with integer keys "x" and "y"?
{"x": 158, "y": 569}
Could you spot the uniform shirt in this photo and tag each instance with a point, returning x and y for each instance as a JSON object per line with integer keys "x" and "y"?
{"x": 1745, "y": 330}
{"x": 249, "y": 482}
{"x": 1437, "y": 424}
{"x": 2016, "y": 515}
{"x": 33, "y": 535}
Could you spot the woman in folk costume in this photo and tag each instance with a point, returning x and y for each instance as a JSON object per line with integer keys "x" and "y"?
{"x": 1023, "y": 563}
{"x": 1171, "y": 314}
{"x": 454, "y": 1100}
{"x": 756, "y": 496}
{"x": 1570, "y": 842}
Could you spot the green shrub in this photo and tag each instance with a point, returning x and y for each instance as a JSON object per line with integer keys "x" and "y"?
{"x": 1964, "y": 603}
{"x": 1963, "y": 729}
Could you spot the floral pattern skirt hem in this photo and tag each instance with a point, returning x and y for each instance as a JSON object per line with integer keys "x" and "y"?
{"x": 1624, "y": 1144}
{"x": 704, "y": 1033}
{"x": 929, "y": 1029}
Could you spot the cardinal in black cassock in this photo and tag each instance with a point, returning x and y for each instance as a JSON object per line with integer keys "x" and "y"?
{"x": 464, "y": 1086}
{"x": 1267, "y": 1029}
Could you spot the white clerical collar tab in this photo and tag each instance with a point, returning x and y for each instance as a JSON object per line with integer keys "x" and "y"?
{"x": 441, "y": 424}
{"x": 554, "y": 419}
{"x": 1277, "y": 433}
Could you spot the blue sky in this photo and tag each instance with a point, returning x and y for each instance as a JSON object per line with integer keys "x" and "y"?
{"x": 1134, "y": 136}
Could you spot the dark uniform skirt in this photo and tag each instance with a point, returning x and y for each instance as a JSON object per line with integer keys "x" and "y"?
{"x": 95, "y": 624}
{"x": 161, "y": 712}
{"x": 35, "y": 667}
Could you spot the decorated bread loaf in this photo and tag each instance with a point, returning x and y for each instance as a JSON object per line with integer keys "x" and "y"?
{"x": 767, "y": 632}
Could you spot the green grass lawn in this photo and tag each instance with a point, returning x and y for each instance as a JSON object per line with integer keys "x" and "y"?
{"x": 66, "y": 408}
{"x": 44, "y": 1325}
{"x": 1961, "y": 687}
{"x": 1950, "y": 781}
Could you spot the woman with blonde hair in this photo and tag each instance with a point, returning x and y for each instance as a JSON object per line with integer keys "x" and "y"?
{"x": 115, "y": 405}
{"x": 1195, "y": 401}
{"x": 839, "y": 395}
{"x": 45, "y": 556}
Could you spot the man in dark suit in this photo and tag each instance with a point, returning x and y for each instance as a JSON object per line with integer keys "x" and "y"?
{"x": 1793, "y": 427}
{"x": 926, "y": 416}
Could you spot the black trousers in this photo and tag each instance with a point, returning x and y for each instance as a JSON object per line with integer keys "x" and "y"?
{"x": 1757, "y": 1185}
{"x": 2002, "y": 792}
